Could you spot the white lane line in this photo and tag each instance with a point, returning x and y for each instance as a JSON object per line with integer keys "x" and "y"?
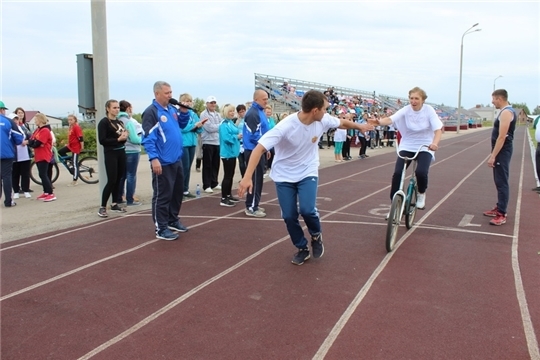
{"x": 338, "y": 327}
{"x": 528, "y": 327}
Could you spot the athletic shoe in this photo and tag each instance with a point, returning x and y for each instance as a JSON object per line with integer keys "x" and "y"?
{"x": 492, "y": 213}
{"x": 208, "y": 190}
{"x": 102, "y": 212}
{"x": 42, "y": 196}
{"x": 300, "y": 257}
{"x": 135, "y": 203}
{"x": 16, "y": 195}
{"x": 118, "y": 208}
{"x": 189, "y": 195}
{"x": 13, "y": 203}
{"x": 258, "y": 213}
{"x": 317, "y": 246}
{"x": 421, "y": 201}
{"x": 27, "y": 195}
{"x": 227, "y": 203}
{"x": 233, "y": 199}
{"x": 166, "y": 234}
{"x": 73, "y": 183}
{"x": 499, "y": 219}
{"x": 218, "y": 187}
{"x": 177, "y": 226}
{"x": 536, "y": 189}
{"x": 50, "y": 197}
{"x": 262, "y": 209}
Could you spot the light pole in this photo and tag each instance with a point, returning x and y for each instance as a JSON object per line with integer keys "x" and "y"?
{"x": 461, "y": 72}
{"x": 494, "y": 109}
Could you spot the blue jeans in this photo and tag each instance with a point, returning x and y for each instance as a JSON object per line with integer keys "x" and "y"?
{"x": 130, "y": 176}
{"x": 187, "y": 159}
{"x": 305, "y": 192}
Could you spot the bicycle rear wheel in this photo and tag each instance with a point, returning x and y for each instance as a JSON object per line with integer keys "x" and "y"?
{"x": 34, "y": 173}
{"x": 394, "y": 218}
{"x": 88, "y": 170}
{"x": 410, "y": 206}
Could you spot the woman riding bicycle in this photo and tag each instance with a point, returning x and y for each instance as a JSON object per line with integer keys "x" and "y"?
{"x": 418, "y": 125}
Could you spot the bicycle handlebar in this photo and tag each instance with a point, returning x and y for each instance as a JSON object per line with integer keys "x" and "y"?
{"x": 415, "y": 155}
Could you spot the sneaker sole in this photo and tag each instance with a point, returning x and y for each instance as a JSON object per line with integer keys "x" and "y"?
{"x": 49, "y": 200}
{"x": 166, "y": 238}
{"x": 306, "y": 259}
{"x": 176, "y": 229}
{"x": 255, "y": 216}
{"x": 499, "y": 224}
{"x": 227, "y": 205}
{"x": 102, "y": 215}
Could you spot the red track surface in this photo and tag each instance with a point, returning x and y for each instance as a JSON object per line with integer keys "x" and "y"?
{"x": 227, "y": 290}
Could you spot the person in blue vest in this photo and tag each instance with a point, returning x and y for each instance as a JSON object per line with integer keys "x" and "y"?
{"x": 502, "y": 137}
{"x": 9, "y": 138}
{"x": 255, "y": 126}
{"x": 162, "y": 125}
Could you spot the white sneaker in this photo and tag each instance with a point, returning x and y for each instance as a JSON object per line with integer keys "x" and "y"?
{"x": 27, "y": 195}
{"x": 217, "y": 187}
{"x": 421, "y": 201}
{"x": 208, "y": 190}
{"x": 16, "y": 195}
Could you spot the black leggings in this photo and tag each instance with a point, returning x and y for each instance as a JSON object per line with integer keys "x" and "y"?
{"x": 229, "y": 166}
{"x": 21, "y": 176}
{"x": 43, "y": 169}
{"x": 363, "y": 145}
{"x": 422, "y": 169}
{"x": 115, "y": 166}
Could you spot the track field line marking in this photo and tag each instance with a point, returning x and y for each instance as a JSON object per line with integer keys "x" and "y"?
{"x": 528, "y": 327}
{"x": 340, "y": 324}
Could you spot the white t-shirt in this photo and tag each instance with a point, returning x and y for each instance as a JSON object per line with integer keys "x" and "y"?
{"x": 340, "y": 135}
{"x": 22, "y": 150}
{"x": 296, "y": 147}
{"x": 416, "y": 127}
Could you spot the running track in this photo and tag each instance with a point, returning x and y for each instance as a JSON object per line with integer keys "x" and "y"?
{"x": 455, "y": 288}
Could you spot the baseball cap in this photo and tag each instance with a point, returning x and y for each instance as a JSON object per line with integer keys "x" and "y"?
{"x": 2, "y": 106}
{"x": 211, "y": 98}
{"x": 12, "y": 116}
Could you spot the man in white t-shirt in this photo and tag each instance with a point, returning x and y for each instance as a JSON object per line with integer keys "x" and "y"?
{"x": 295, "y": 168}
{"x": 418, "y": 125}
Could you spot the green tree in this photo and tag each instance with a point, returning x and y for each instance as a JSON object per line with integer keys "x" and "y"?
{"x": 521, "y": 106}
{"x": 199, "y": 105}
{"x": 65, "y": 121}
{"x": 138, "y": 117}
{"x": 536, "y": 110}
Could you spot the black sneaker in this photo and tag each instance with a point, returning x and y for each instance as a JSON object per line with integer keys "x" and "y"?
{"x": 301, "y": 256}
{"x": 227, "y": 202}
{"x": 317, "y": 245}
{"x": 166, "y": 234}
{"x": 118, "y": 208}
{"x": 177, "y": 226}
{"x": 102, "y": 212}
{"x": 233, "y": 199}
{"x": 189, "y": 195}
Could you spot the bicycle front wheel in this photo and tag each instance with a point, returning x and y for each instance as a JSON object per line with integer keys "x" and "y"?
{"x": 410, "y": 207}
{"x": 34, "y": 173}
{"x": 394, "y": 218}
{"x": 88, "y": 170}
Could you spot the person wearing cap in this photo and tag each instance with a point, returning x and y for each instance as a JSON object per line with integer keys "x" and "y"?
{"x": 9, "y": 138}
{"x": 210, "y": 146}
{"x": 256, "y": 125}
{"x": 162, "y": 124}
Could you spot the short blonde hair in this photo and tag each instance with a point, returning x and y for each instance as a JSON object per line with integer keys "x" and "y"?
{"x": 41, "y": 117}
{"x": 185, "y": 97}
{"x": 226, "y": 108}
{"x": 419, "y": 91}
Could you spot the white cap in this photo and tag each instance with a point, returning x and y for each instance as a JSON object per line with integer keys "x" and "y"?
{"x": 211, "y": 98}
{"x": 12, "y": 116}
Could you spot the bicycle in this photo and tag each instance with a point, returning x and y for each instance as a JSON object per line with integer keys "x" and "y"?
{"x": 403, "y": 204}
{"x": 88, "y": 169}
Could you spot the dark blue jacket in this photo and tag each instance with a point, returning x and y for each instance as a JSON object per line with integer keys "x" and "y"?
{"x": 9, "y": 137}
{"x": 255, "y": 126}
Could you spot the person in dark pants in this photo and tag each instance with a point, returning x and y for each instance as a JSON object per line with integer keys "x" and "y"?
{"x": 42, "y": 140}
{"x": 112, "y": 135}
{"x": 346, "y": 151}
{"x": 502, "y": 137}
{"x": 162, "y": 125}
{"x": 210, "y": 146}
{"x": 9, "y": 138}
{"x": 241, "y": 111}
{"x": 229, "y": 148}
{"x": 255, "y": 125}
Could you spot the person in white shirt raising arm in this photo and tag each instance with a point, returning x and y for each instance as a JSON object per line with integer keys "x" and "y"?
{"x": 418, "y": 124}
{"x": 295, "y": 168}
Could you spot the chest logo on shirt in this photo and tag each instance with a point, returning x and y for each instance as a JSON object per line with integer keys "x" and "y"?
{"x": 163, "y": 118}
{"x": 314, "y": 139}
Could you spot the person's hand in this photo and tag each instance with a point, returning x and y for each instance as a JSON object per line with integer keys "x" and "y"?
{"x": 245, "y": 186}
{"x": 240, "y": 136}
{"x": 433, "y": 147}
{"x": 366, "y": 127}
{"x": 24, "y": 143}
{"x": 373, "y": 122}
{"x": 156, "y": 166}
{"x": 268, "y": 155}
{"x": 491, "y": 161}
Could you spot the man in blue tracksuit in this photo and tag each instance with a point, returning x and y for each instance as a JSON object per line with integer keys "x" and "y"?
{"x": 255, "y": 125}
{"x": 9, "y": 137}
{"x": 162, "y": 124}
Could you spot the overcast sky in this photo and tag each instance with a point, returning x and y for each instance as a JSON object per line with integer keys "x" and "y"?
{"x": 214, "y": 48}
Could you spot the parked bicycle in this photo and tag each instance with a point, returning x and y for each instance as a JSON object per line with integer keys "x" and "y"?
{"x": 88, "y": 168}
{"x": 403, "y": 203}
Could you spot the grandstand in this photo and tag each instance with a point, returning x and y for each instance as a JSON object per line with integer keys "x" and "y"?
{"x": 283, "y": 100}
